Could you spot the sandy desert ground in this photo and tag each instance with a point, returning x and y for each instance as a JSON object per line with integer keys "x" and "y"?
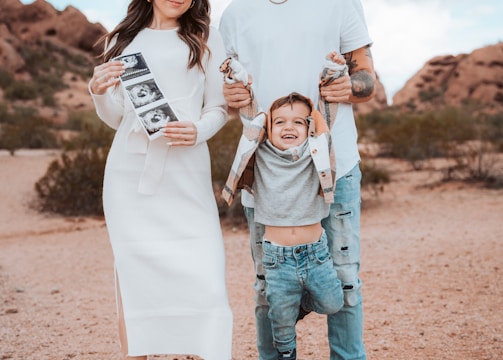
{"x": 432, "y": 268}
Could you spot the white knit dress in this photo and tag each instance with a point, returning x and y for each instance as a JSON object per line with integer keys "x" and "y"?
{"x": 161, "y": 213}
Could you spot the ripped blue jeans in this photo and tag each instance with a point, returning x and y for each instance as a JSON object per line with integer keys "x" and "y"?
{"x": 290, "y": 272}
{"x": 342, "y": 226}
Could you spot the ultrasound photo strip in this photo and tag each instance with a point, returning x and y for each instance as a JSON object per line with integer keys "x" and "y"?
{"x": 155, "y": 118}
{"x": 151, "y": 107}
{"x": 134, "y": 66}
{"x": 144, "y": 93}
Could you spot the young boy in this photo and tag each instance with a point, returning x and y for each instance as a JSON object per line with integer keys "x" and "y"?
{"x": 292, "y": 161}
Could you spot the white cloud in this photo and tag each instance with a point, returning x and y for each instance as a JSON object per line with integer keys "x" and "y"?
{"x": 405, "y": 35}
{"x": 408, "y": 33}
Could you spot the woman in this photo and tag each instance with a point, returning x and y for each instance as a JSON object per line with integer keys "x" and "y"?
{"x": 158, "y": 200}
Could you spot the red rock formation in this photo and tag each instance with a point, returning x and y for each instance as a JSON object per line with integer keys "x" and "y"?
{"x": 40, "y": 20}
{"x": 38, "y": 28}
{"x": 475, "y": 78}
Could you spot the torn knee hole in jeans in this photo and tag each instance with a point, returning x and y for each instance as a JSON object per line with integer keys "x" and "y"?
{"x": 344, "y": 214}
{"x": 347, "y": 287}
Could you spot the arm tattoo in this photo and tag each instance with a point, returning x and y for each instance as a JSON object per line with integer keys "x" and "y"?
{"x": 363, "y": 83}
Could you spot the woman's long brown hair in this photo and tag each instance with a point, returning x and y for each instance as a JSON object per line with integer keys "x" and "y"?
{"x": 194, "y": 29}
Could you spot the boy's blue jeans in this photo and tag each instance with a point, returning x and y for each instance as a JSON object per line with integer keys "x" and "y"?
{"x": 292, "y": 271}
{"x": 342, "y": 226}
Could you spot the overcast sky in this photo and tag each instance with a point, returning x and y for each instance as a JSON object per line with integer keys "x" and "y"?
{"x": 406, "y": 33}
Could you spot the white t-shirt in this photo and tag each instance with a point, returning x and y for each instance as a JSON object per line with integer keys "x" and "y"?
{"x": 283, "y": 47}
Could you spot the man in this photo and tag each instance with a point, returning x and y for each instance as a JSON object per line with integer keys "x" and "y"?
{"x": 282, "y": 44}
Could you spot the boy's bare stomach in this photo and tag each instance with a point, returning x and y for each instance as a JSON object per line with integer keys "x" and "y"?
{"x": 293, "y": 235}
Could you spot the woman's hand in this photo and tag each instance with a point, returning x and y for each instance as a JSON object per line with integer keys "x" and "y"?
{"x": 105, "y": 76}
{"x": 180, "y": 133}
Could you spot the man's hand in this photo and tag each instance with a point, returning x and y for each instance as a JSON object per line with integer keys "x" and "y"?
{"x": 339, "y": 90}
{"x": 359, "y": 86}
{"x": 237, "y": 95}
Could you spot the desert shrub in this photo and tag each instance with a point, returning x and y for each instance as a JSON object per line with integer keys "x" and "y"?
{"x": 24, "y": 129}
{"x": 417, "y": 137}
{"x": 475, "y": 161}
{"x": 92, "y": 132}
{"x": 48, "y": 99}
{"x": 77, "y": 119}
{"x": 72, "y": 185}
{"x": 37, "y": 59}
{"x": 19, "y": 90}
{"x": 373, "y": 175}
{"x": 494, "y": 130}
{"x": 4, "y": 113}
{"x": 9, "y": 138}
{"x": 369, "y": 125}
{"x": 49, "y": 81}
{"x": 468, "y": 138}
{"x": 22, "y": 112}
{"x": 6, "y": 79}
{"x": 479, "y": 159}
{"x": 430, "y": 94}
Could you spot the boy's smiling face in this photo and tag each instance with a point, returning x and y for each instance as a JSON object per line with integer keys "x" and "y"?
{"x": 289, "y": 125}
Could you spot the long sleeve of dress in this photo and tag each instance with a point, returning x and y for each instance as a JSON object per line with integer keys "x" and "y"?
{"x": 214, "y": 112}
{"x": 109, "y": 106}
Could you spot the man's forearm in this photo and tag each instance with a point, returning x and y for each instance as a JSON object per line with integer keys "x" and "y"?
{"x": 363, "y": 77}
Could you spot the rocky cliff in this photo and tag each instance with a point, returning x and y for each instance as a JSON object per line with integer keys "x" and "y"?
{"x": 40, "y": 20}
{"x": 475, "y": 78}
{"x": 39, "y": 46}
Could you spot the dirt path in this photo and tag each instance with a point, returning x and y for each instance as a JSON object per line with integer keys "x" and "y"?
{"x": 431, "y": 266}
